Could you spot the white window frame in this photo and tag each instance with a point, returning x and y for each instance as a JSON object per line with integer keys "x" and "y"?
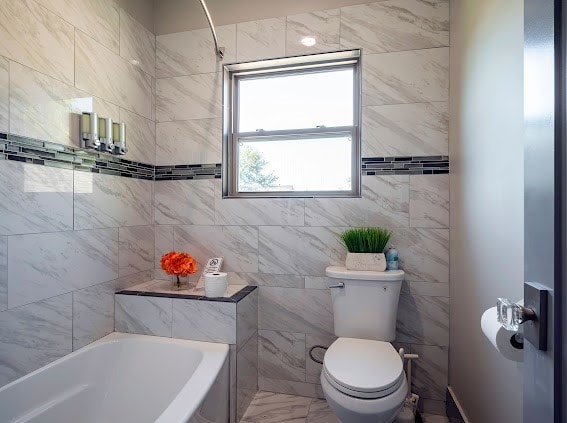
{"x": 233, "y": 73}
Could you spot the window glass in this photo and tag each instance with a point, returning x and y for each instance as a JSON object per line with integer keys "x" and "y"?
{"x": 297, "y": 101}
{"x": 295, "y": 164}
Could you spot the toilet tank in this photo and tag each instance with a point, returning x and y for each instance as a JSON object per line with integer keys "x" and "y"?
{"x": 367, "y": 305}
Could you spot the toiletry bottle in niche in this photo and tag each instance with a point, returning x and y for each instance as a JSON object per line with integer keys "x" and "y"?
{"x": 392, "y": 259}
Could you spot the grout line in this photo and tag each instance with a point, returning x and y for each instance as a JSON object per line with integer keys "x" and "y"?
{"x": 7, "y": 272}
{"x": 9, "y": 92}
{"x": 74, "y": 57}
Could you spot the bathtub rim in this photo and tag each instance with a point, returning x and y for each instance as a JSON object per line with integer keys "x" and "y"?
{"x": 189, "y": 397}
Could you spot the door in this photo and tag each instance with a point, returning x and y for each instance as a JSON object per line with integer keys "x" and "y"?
{"x": 544, "y": 202}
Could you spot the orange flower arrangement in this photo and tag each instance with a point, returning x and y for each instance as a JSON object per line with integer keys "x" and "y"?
{"x": 178, "y": 264}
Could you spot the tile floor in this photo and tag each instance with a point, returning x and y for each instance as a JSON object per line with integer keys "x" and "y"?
{"x": 268, "y": 407}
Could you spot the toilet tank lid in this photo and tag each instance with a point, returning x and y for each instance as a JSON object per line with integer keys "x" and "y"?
{"x": 340, "y": 272}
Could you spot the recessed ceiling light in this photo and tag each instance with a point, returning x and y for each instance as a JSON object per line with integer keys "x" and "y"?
{"x": 308, "y": 41}
{"x": 135, "y": 62}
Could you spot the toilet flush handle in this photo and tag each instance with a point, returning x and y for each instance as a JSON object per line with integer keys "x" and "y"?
{"x": 337, "y": 285}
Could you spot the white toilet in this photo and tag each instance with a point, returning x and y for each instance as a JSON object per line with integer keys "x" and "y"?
{"x": 363, "y": 376}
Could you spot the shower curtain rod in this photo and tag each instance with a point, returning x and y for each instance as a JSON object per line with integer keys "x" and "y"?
{"x": 219, "y": 51}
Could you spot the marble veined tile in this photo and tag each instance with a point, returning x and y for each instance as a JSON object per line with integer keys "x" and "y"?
{"x": 299, "y": 250}
{"x": 317, "y": 282}
{"x": 406, "y": 77}
{"x": 296, "y": 310}
{"x": 129, "y": 281}
{"x": 117, "y": 81}
{"x": 281, "y": 355}
{"x": 420, "y": 129}
{"x": 247, "y": 376}
{"x": 189, "y": 142}
{"x": 216, "y": 321}
{"x": 265, "y": 279}
{"x": 45, "y": 108}
{"x": 98, "y": 18}
{"x": 429, "y": 201}
{"x": 268, "y": 407}
{"x": 257, "y": 211}
{"x": 237, "y": 244}
{"x": 4, "y": 94}
{"x": 313, "y": 369}
{"x": 35, "y": 198}
{"x": 189, "y": 97}
{"x": 44, "y": 265}
{"x": 93, "y": 313}
{"x": 33, "y": 336}
{"x": 246, "y": 318}
{"x": 430, "y": 289}
{"x": 140, "y": 137}
{"x": 164, "y": 241}
{"x": 105, "y": 201}
{"x": 232, "y": 391}
{"x": 261, "y": 39}
{"x": 185, "y": 202}
{"x": 384, "y": 202}
{"x": 106, "y": 109}
{"x": 308, "y": 390}
{"x": 143, "y": 315}
{"x": 323, "y": 26}
{"x": 395, "y": 25}
{"x": 192, "y": 52}
{"x": 137, "y": 44}
{"x": 423, "y": 320}
{"x": 424, "y": 253}
{"x": 135, "y": 249}
{"x": 430, "y": 372}
{"x": 3, "y": 273}
{"x": 36, "y": 37}
{"x": 320, "y": 412}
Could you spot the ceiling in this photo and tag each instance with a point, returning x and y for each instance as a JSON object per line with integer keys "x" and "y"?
{"x": 183, "y": 15}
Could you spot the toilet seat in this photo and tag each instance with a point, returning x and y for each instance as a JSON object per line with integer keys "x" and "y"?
{"x": 363, "y": 368}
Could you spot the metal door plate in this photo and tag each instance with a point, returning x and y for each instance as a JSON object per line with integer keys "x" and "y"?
{"x": 535, "y": 298}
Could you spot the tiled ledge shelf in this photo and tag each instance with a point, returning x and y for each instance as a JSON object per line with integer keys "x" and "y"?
{"x": 165, "y": 289}
{"x": 154, "y": 308}
{"x": 33, "y": 151}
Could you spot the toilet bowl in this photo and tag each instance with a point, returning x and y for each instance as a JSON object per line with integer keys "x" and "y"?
{"x": 363, "y": 380}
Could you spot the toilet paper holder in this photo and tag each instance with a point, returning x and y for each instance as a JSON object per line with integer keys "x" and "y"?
{"x": 531, "y": 313}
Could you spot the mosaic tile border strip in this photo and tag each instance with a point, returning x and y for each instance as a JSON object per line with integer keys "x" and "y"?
{"x": 188, "y": 172}
{"x": 29, "y": 150}
{"x": 409, "y": 165}
{"x": 414, "y": 165}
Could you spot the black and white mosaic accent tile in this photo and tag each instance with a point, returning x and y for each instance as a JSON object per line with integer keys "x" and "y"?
{"x": 184, "y": 172}
{"x": 416, "y": 165}
{"x": 29, "y": 150}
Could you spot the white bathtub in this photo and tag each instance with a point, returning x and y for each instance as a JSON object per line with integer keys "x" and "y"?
{"x": 125, "y": 378}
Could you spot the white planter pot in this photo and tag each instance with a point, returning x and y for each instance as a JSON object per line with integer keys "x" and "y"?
{"x": 366, "y": 261}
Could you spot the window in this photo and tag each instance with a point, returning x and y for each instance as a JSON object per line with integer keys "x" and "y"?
{"x": 291, "y": 127}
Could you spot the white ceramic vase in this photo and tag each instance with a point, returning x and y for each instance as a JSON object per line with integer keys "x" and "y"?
{"x": 366, "y": 261}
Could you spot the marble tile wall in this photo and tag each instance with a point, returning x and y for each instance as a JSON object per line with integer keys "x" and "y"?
{"x": 59, "y": 58}
{"x": 284, "y": 245}
{"x": 70, "y": 239}
{"x": 49, "y": 256}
